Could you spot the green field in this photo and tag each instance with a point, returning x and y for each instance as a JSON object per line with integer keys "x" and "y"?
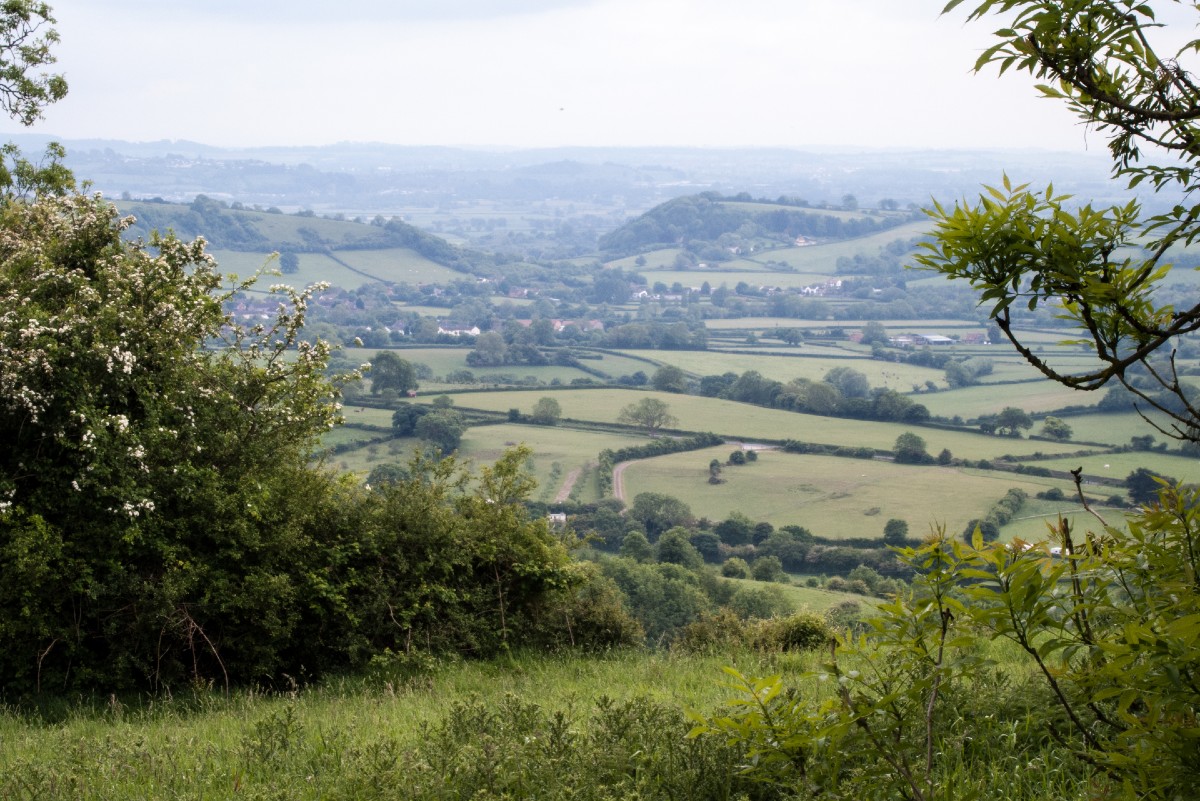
{"x": 813, "y": 598}
{"x": 444, "y": 360}
{"x": 1114, "y": 429}
{"x": 1120, "y": 465}
{"x": 830, "y": 496}
{"x": 1035, "y": 397}
{"x": 557, "y": 452}
{"x": 899, "y": 377}
{"x": 746, "y": 421}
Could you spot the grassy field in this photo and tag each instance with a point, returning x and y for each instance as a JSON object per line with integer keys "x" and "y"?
{"x": 383, "y": 737}
{"x": 445, "y": 360}
{"x": 1035, "y": 397}
{"x": 746, "y": 421}
{"x": 804, "y": 364}
{"x": 813, "y": 598}
{"x": 832, "y": 497}
{"x": 557, "y": 452}
{"x": 1113, "y": 429}
{"x": 1119, "y": 465}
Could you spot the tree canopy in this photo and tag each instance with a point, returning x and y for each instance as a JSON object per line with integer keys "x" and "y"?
{"x": 1098, "y": 267}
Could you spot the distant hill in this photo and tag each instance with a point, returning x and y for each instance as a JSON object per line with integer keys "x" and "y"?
{"x": 726, "y": 223}
{"x": 239, "y": 229}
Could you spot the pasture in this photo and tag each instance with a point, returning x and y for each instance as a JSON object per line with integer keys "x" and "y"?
{"x": 801, "y": 363}
{"x": 814, "y": 599}
{"x": 1037, "y": 396}
{"x": 1120, "y": 465}
{"x": 832, "y": 497}
{"x": 742, "y": 420}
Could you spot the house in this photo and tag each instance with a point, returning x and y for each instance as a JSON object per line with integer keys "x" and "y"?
{"x": 932, "y": 339}
{"x": 459, "y": 331}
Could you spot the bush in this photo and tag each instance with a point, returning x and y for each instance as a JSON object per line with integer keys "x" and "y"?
{"x": 768, "y": 568}
{"x": 735, "y": 568}
{"x": 801, "y": 631}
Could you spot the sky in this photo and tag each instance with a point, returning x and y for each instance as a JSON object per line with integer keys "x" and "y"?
{"x": 543, "y": 73}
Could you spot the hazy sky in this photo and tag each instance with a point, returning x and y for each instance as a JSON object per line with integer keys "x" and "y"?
{"x": 794, "y": 73}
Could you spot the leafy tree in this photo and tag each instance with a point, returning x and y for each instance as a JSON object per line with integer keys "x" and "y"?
{"x": 406, "y": 417}
{"x": 546, "y": 412}
{"x": 635, "y": 546}
{"x": 490, "y": 351}
{"x": 1012, "y": 420}
{"x": 26, "y": 36}
{"x": 442, "y": 428}
{"x": 910, "y": 449}
{"x": 142, "y": 473}
{"x": 657, "y": 512}
{"x": 873, "y": 333}
{"x": 1144, "y": 485}
{"x": 675, "y": 547}
{"x": 768, "y": 568}
{"x": 737, "y": 457}
{"x": 1097, "y": 267}
{"x": 735, "y": 568}
{"x": 737, "y": 529}
{"x": 1056, "y": 428}
{"x": 669, "y": 378}
{"x": 895, "y": 532}
{"x": 849, "y": 382}
{"x": 289, "y": 262}
{"x": 389, "y": 371}
{"x": 649, "y": 413}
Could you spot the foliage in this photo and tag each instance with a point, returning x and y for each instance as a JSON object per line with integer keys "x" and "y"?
{"x": 895, "y": 532}
{"x": 441, "y": 428}
{"x": 910, "y": 449}
{"x": 1024, "y": 249}
{"x": 389, "y": 371}
{"x": 546, "y": 412}
{"x": 657, "y": 512}
{"x": 1011, "y": 420}
{"x": 26, "y": 35}
{"x": 675, "y": 548}
{"x": 669, "y": 378}
{"x": 142, "y": 473}
{"x": 1108, "y": 631}
{"x": 1056, "y": 428}
{"x": 1143, "y": 485}
{"x": 648, "y": 413}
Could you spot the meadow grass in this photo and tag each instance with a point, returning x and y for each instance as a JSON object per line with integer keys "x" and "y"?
{"x": 801, "y": 363}
{"x": 556, "y": 452}
{"x": 1113, "y": 428}
{"x": 1120, "y": 465}
{"x": 832, "y": 497}
{"x": 1034, "y": 396}
{"x": 384, "y": 735}
{"x": 399, "y": 265}
{"x": 813, "y": 599}
{"x": 743, "y": 420}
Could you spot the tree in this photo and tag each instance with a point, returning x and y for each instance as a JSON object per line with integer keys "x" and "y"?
{"x": 1143, "y": 485}
{"x": 442, "y": 428}
{"x": 649, "y": 413}
{"x": 546, "y": 412}
{"x": 289, "y": 262}
{"x": 848, "y": 381}
{"x": 490, "y": 351}
{"x": 675, "y": 547}
{"x": 1012, "y": 420}
{"x": 669, "y": 378}
{"x": 910, "y": 449}
{"x": 895, "y": 532}
{"x": 635, "y": 546}
{"x": 389, "y": 371}
{"x": 873, "y": 333}
{"x": 26, "y": 36}
{"x": 142, "y": 471}
{"x": 1055, "y": 428}
{"x": 657, "y": 512}
{"x": 1097, "y": 267}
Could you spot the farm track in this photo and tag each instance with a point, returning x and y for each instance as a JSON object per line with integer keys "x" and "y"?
{"x": 618, "y": 482}
{"x": 564, "y": 492}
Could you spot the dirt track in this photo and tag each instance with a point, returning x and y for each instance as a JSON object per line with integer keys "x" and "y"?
{"x": 564, "y": 492}
{"x": 618, "y": 485}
